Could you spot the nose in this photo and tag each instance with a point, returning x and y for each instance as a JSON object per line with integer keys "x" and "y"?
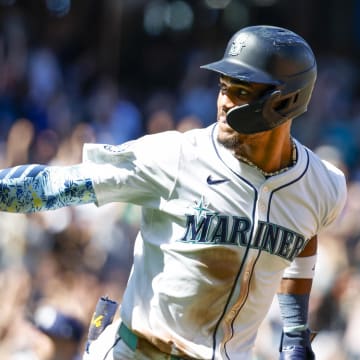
{"x": 224, "y": 102}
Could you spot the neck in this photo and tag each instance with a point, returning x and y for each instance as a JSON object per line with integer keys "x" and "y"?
{"x": 270, "y": 151}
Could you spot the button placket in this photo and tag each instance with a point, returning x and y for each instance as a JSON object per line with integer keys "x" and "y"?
{"x": 264, "y": 194}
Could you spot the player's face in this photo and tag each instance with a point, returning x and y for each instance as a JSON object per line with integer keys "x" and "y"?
{"x": 234, "y": 93}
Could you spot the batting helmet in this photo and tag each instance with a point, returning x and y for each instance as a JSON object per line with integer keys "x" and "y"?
{"x": 274, "y": 56}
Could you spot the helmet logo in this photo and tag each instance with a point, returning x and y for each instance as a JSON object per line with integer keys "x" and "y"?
{"x": 238, "y": 44}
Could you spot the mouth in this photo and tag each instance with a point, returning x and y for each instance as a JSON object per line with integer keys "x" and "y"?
{"x": 222, "y": 118}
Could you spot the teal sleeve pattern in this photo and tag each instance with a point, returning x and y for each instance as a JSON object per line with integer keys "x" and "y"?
{"x": 32, "y": 188}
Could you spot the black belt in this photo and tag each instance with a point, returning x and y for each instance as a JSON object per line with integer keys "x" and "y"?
{"x": 132, "y": 340}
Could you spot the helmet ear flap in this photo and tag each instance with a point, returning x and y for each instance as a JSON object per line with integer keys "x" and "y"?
{"x": 260, "y": 115}
{"x": 292, "y": 104}
{"x": 287, "y": 103}
{"x": 270, "y": 112}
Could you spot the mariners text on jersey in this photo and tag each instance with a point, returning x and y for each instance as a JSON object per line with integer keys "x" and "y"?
{"x": 235, "y": 230}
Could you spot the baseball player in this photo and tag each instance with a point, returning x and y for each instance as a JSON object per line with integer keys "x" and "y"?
{"x": 230, "y": 213}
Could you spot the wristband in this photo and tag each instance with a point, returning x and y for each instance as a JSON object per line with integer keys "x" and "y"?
{"x": 301, "y": 268}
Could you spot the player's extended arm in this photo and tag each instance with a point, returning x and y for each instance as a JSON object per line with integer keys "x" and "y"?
{"x": 293, "y": 297}
{"x": 31, "y": 188}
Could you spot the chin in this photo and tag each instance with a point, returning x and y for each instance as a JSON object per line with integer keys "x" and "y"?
{"x": 225, "y": 127}
{"x": 229, "y": 139}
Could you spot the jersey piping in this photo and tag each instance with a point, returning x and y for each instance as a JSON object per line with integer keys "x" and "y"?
{"x": 288, "y": 184}
{"x": 302, "y": 170}
{"x": 260, "y": 250}
{"x": 245, "y": 254}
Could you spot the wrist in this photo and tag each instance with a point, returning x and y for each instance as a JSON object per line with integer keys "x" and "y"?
{"x": 297, "y": 353}
{"x": 296, "y": 345}
{"x": 294, "y": 311}
{"x": 293, "y": 328}
{"x": 295, "y": 338}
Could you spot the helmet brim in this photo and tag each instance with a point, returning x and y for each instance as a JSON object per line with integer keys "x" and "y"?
{"x": 240, "y": 71}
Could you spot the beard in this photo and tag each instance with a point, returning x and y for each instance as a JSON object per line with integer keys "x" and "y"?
{"x": 235, "y": 141}
{"x": 229, "y": 142}
{"x": 228, "y": 137}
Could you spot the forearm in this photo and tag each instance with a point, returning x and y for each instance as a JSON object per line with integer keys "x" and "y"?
{"x": 31, "y": 188}
{"x": 293, "y": 297}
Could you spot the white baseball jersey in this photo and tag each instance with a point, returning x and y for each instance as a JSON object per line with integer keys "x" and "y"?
{"x": 215, "y": 236}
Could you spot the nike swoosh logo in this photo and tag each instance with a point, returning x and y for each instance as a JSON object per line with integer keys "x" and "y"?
{"x": 212, "y": 181}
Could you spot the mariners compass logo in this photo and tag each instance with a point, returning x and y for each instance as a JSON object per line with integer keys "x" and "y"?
{"x": 201, "y": 209}
{"x": 238, "y": 44}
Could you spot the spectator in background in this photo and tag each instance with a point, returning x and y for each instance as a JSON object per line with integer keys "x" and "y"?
{"x": 161, "y": 120}
{"x": 44, "y": 81}
{"x": 115, "y": 118}
{"x": 65, "y": 332}
{"x": 197, "y": 93}
{"x": 18, "y": 151}
{"x": 188, "y": 122}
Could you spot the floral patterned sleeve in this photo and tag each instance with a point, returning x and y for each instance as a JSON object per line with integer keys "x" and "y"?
{"x": 32, "y": 188}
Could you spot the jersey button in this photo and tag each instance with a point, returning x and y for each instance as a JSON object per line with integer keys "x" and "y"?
{"x": 265, "y": 189}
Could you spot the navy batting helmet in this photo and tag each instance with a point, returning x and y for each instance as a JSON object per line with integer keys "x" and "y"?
{"x": 274, "y": 56}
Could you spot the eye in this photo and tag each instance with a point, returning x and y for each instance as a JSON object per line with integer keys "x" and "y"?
{"x": 223, "y": 88}
{"x": 239, "y": 93}
{"x": 242, "y": 92}
{"x": 234, "y": 91}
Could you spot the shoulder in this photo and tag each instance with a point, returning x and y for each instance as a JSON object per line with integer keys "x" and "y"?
{"x": 173, "y": 137}
{"x": 172, "y": 141}
{"x": 328, "y": 184}
{"x": 164, "y": 145}
{"x": 326, "y": 171}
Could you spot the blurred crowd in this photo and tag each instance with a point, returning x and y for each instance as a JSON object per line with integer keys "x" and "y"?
{"x": 55, "y": 265}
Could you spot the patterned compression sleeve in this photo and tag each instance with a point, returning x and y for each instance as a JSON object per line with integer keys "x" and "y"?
{"x": 32, "y": 188}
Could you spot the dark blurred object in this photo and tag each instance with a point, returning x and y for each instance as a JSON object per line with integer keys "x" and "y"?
{"x": 103, "y": 316}
{"x": 7, "y": 2}
{"x": 58, "y": 7}
{"x": 58, "y": 325}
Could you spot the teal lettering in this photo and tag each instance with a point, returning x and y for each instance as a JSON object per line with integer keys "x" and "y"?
{"x": 235, "y": 230}
{"x": 259, "y": 235}
{"x": 219, "y": 234}
{"x": 285, "y": 243}
{"x": 298, "y": 247}
{"x": 239, "y": 231}
{"x": 194, "y": 231}
{"x": 270, "y": 238}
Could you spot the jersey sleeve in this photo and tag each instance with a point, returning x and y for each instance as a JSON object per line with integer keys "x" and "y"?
{"x": 334, "y": 202}
{"x": 337, "y": 194}
{"x": 32, "y": 188}
{"x": 141, "y": 172}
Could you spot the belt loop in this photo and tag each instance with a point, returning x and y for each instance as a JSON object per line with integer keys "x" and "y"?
{"x": 129, "y": 338}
